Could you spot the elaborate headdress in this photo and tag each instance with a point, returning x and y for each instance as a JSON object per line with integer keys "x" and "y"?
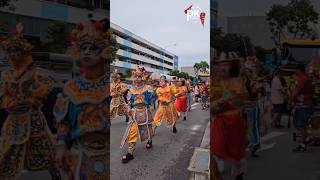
{"x": 139, "y": 71}
{"x": 93, "y": 34}
{"x": 16, "y": 41}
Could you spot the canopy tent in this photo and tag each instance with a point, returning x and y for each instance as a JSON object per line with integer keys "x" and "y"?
{"x": 156, "y": 76}
{"x": 302, "y": 42}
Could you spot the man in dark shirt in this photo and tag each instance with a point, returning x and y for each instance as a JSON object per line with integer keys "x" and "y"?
{"x": 304, "y": 102}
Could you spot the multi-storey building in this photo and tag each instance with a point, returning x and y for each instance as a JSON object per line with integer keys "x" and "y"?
{"x": 134, "y": 51}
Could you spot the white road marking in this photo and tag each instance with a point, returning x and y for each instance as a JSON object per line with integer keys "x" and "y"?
{"x": 195, "y": 127}
{"x": 194, "y": 104}
{"x": 272, "y": 135}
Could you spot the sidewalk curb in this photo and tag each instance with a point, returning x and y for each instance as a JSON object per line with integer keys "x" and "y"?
{"x": 205, "y": 144}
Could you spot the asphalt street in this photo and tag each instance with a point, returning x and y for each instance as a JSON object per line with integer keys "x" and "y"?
{"x": 278, "y": 162}
{"x": 171, "y": 153}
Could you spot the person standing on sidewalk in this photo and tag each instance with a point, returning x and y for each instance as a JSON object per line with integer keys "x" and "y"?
{"x": 204, "y": 96}
{"x": 277, "y": 100}
{"x": 189, "y": 94}
{"x": 196, "y": 93}
{"x": 304, "y": 102}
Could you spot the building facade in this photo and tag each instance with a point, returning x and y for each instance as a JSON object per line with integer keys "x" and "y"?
{"x": 134, "y": 51}
{"x": 256, "y": 27}
{"x": 248, "y": 17}
{"x": 189, "y": 70}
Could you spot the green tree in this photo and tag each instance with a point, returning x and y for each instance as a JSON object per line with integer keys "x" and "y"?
{"x": 8, "y": 3}
{"x": 58, "y": 36}
{"x": 174, "y": 73}
{"x": 293, "y": 20}
{"x": 183, "y": 75}
{"x": 302, "y": 14}
{"x": 179, "y": 74}
{"x": 202, "y": 66}
{"x": 230, "y": 42}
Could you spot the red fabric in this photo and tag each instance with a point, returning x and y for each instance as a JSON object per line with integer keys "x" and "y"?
{"x": 304, "y": 87}
{"x": 181, "y": 104}
{"x": 228, "y": 136}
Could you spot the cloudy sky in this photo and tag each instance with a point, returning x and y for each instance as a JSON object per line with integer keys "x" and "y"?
{"x": 164, "y": 23}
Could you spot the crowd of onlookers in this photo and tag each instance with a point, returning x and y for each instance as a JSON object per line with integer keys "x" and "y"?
{"x": 295, "y": 99}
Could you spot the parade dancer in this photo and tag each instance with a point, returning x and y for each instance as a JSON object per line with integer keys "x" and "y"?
{"x": 228, "y": 130}
{"x": 26, "y": 142}
{"x": 118, "y": 106}
{"x": 181, "y": 99}
{"x": 81, "y": 111}
{"x": 166, "y": 108}
{"x": 140, "y": 125}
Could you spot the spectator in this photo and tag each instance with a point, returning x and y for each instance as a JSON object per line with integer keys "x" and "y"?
{"x": 277, "y": 100}
{"x": 303, "y": 98}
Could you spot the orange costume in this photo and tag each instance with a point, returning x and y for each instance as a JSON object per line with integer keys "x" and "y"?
{"x": 166, "y": 108}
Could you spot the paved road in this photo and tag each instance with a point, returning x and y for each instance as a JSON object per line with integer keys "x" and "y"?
{"x": 279, "y": 162}
{"x": 168, "y": 159}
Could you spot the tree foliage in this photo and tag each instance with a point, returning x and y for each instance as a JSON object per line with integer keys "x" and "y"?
{"x": 202, "y": 66}
{"x": 294, "y": 20}
{"x": 179, "y": 74}
{"x": 229, "y": 42}
{"x": 8, "y": 4}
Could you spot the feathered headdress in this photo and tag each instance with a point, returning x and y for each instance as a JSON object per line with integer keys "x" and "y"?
{"x": 16, "y": 41}
{"x": 93, "y": 34}
{"x": 139, "y": 71}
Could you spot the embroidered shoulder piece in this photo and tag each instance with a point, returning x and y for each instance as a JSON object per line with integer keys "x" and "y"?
{"x": 80, "y": 91}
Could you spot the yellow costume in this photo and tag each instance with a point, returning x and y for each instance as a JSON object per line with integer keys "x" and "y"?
{"x": 166, "y": 107}
{"x": 140, "y": 97}
{"x": 118, "y": 106}
{"x": 26, "y": 141}
{"x": 82, "y": 111}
